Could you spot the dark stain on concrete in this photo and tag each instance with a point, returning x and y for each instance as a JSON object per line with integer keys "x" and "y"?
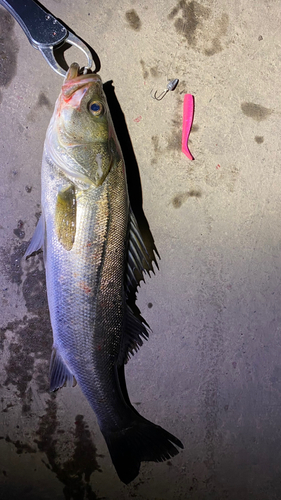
{"x": 133, "y": 19}
{"x": 177, "y": 122}
{"x": 155, "y": 142}
{"x": 84, "y": 458}
{"x": 149, "y": 305}
{"x": 192, "y": 14}
{"x": 194, "y": 128}
{"x": 15, "y": 269}
{"x": 34, "y": 286}
{"x": 9, "y": 405}
{"x": 216, "y": 45}
{"x": 21, "y": 447}
{"x": 8, "y": 48}
{"x": 194, "y": 193}
{"x": 11, "y": 262}
{"x": 33, "y": 341}
{"x": 145, "y": 72}
{"x": 156, "y": 148}
{"x": 193, "y": 21}
{"x": 45, "y": 433}
{"x": 32, "y": 338}
{"x": 44, "y": 101}
{"x": 259, "y": 139}
{"x": 174, "y": 141}
{"x": 74, "y": 472}
{"x": 35, "y": 111}
{"x": 255, "y": 111}
{"x": 19, "y": 369}
{"x": 154, "y": 71}
{"x": 19, "y": 232}
{"x": 182, "y": 86}
{"x": 180, "y": 198}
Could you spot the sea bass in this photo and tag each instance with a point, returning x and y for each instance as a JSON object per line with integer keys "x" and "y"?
{"x": 94, "y": 257}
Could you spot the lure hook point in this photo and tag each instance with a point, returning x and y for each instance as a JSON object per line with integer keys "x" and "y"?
{"x": 171, "y": 86}
{"x": 160, "y": 97}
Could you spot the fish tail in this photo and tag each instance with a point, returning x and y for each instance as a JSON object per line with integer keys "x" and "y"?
{"x": 140, "y": 441}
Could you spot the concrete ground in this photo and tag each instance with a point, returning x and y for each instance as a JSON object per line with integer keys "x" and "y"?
{"x": 211, "y": 371}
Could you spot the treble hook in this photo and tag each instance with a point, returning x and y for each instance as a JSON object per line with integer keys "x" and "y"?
{"x": 170, "y": 86}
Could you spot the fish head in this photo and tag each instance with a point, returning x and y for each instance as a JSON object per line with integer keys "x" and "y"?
{"x": 82, "y": 137}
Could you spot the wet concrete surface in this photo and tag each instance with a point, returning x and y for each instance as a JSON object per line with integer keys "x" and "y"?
{"x": 211, "y": 371}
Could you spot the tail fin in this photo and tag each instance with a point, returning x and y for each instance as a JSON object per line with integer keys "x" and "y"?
{"x": 142, "y": 441}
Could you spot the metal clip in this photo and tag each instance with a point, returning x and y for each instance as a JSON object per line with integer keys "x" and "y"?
{"x": 48, "y": 54}
{"x": 44, "y": 31}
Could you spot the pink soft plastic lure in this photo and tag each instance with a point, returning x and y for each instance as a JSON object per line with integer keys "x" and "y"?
{"x": 188, "y": 112}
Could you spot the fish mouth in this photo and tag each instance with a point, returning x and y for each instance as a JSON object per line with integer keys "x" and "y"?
{"x": 74, "y": 81}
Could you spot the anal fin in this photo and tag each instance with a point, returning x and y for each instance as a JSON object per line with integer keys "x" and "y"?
{"x": 59, "y": 373}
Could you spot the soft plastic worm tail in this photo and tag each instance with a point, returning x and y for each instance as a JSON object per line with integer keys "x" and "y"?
{"x": 188, "y": 112}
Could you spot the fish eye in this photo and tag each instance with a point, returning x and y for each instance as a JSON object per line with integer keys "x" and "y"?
{"x": 96, "y": 108}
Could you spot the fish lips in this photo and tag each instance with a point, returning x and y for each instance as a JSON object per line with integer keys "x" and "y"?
{"x": 76, "y": 85}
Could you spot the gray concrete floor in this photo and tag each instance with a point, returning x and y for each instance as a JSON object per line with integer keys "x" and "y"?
{"x": 211, "y": 371}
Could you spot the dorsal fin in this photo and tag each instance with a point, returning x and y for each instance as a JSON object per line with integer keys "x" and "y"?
{"x": 138, "y": 259}
{"x": 135, "y": 331}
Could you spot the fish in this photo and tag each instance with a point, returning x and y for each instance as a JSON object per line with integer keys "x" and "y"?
{"x": 94, "y": 258}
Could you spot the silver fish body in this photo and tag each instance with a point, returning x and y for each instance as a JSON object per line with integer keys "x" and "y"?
{"x": 85, "y": 284}
{"x": 91, "y": 246}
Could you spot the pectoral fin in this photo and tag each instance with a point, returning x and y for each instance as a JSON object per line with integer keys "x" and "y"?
{"x": 65, "y": 217}
{"x": 37, "y": 238}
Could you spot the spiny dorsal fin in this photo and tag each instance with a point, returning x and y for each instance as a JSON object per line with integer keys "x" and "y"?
{"x": 59, "y": 373}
